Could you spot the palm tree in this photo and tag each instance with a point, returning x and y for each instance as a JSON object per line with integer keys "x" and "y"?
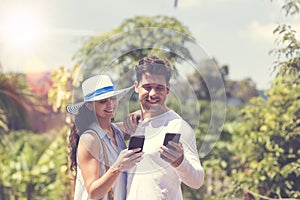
{"x": 13, "y": 99}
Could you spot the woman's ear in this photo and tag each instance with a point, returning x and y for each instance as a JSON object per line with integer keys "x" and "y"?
{"x": 90, "y": 106}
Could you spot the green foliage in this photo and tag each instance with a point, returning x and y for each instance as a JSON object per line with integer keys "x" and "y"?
{"x": 219, "y": 162}
{"x": 201, "y": 80}
{"x": 288, "y": 54}
{"x": 267, "y": 141}
{"x": 33, "y": 166}
{"x": 125, "y": 107}
{"x": 242, "y": 90}
{"x": 291, "y": 7}
{"x": 118, "y": 50}
{"x": 14, "y": 97}
{"x": 61, "y": 92}
{"x": 267, "y": 135}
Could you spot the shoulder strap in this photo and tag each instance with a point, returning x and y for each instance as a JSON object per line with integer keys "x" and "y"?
{"x": 110, "y": 192}
{"x": 105, "y": 155}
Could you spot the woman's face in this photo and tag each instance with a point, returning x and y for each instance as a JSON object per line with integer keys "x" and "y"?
{"x": 105, "y": 108}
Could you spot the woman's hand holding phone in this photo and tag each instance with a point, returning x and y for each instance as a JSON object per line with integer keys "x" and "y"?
{"x": 136, "y": 142}
{"x": 127, "y": 159}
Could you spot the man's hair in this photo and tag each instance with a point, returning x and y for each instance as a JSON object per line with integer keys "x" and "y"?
{"x": 153, "y": 65}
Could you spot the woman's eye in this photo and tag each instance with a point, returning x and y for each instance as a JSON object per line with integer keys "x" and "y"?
{"x": 102, "y": 101}
{"x": 113, "y": 98}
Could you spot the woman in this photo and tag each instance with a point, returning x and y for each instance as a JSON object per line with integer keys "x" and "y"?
{"x": 98, "y": 151}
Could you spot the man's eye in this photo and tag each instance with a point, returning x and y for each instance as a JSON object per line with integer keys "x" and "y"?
{"x": 160, "y": 88}
{"x": 147, "y": 88}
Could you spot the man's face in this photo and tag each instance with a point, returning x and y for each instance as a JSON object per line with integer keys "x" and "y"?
{"x": 152, "y": 90}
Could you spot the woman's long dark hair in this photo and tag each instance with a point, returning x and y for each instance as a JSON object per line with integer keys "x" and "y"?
{"x": 82, "y": 121}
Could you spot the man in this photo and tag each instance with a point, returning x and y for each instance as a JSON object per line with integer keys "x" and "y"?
{"x": 160, "y": 173}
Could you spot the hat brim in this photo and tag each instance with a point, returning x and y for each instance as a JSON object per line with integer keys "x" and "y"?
{"x": 74, "y": 108}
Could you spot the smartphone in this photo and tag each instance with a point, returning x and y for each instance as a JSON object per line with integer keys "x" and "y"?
{"x": 171, "y": 137}
{"x": 136, "y": 141}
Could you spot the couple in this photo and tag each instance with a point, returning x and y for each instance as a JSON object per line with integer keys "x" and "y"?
{"x": 105, "y": 167}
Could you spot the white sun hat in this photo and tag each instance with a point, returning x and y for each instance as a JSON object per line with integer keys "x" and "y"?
{"x": 96, "y": 88}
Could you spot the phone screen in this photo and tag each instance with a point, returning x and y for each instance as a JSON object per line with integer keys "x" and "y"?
{"x": 136, "y": 142}
{"x": 171, "y": 137}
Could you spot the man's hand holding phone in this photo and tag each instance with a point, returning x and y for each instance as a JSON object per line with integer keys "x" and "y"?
{"x": 172, "y": 149}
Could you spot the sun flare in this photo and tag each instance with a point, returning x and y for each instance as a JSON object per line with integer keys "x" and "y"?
{"x": 20, "y": 29}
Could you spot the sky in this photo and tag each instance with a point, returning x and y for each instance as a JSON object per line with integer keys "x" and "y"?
{"x": 39, "y": 35}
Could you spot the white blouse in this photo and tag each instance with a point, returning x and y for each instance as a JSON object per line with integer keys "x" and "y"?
{"x": 113, "y": 152}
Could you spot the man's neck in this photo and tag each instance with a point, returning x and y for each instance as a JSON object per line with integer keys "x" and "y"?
{"x": 149, "y": 113}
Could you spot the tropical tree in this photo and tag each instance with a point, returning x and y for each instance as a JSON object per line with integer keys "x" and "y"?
{"x": 14, "y": 97}
{"x": 118, "y": 50}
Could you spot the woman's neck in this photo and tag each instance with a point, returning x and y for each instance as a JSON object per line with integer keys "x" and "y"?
{"x": 105, "y": 124}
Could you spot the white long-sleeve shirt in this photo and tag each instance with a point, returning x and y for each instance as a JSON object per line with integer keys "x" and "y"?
{"x": 153, "y": 178}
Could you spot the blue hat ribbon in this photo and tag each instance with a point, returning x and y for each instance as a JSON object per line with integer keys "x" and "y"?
{"x": 99, "y": 92}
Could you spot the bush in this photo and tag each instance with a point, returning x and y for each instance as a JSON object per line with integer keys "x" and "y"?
{"x": 34, "y": 166}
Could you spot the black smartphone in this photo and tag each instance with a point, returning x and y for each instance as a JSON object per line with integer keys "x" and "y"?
{"x": 171, "y": 137}
{"x": 136, "y": 141}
